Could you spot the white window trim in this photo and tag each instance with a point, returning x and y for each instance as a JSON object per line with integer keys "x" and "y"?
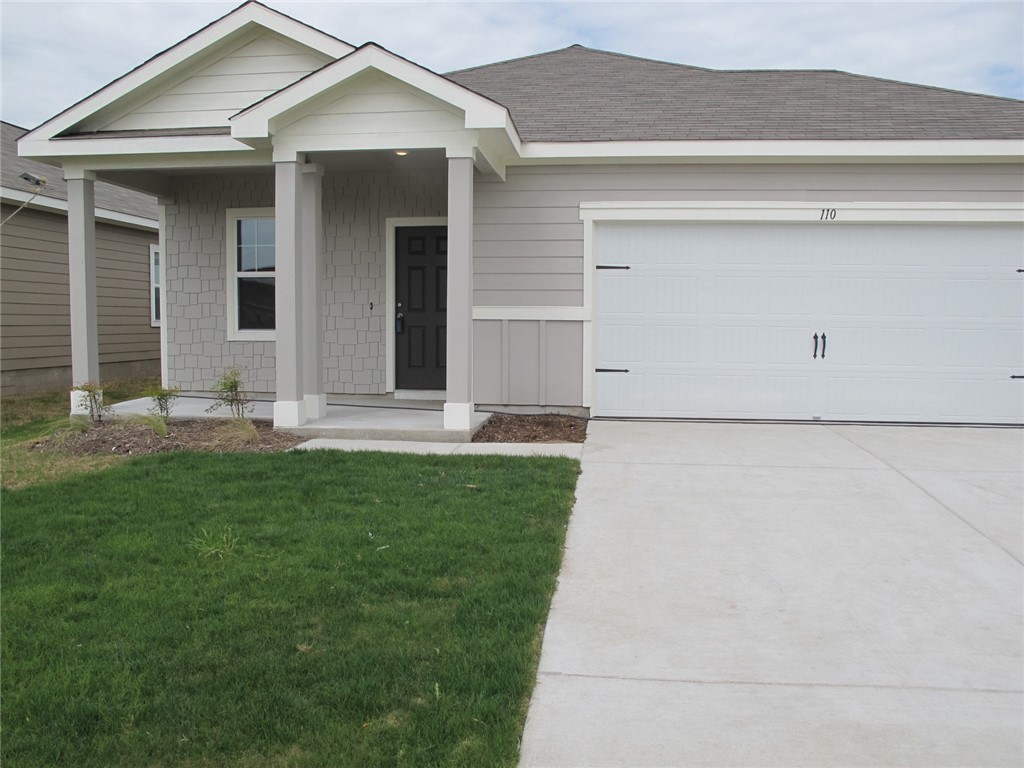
{"x": 156, "y": 280}
{"x": 232, "y": 216}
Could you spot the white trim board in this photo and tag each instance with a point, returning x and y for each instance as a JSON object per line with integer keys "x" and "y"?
{"x": 232, "y": 215}
{"x": 390, "y": 225}
{"x": 769, "y": 150}
{"x": 531, "y": 313}
{"x": 808, "y": 212}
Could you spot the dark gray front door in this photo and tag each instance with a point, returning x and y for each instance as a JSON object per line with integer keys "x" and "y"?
{"x": 421, "y": 295}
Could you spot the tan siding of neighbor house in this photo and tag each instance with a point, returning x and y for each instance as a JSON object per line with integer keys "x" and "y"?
{"x": 36, "y": 344}
{"x": 208, "y": 97}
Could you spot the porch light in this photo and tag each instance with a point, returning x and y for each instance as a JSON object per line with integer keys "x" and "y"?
{"x": 401, "y": 152}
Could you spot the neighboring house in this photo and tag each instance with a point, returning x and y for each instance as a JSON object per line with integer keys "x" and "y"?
{"x": 35, "y": 331}
{"x": 576, "y": 230}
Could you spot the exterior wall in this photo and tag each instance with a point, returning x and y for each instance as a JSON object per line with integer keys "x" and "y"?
{"x": 528, "y": 254}
{"x": 369, "y": 107}
{"x": 225, "y": 85}
{"x": 195, "y": 283}
{"x": 35, "y": 352}
{"x": 356, "y": 205}
{"x": 529, "y": 245}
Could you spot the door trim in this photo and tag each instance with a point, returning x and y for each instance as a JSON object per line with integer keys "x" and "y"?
{"x": 390, "y": 225}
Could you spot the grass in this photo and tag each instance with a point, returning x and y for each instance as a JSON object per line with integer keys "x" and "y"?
{"x": 25, "y": 419}
{"x": 300, "y": 609}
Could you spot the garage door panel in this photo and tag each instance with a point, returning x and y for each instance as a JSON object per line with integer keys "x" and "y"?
{"x": 924, "y": 322}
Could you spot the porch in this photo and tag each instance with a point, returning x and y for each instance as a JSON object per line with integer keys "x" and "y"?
{"x": 346, "y": 417}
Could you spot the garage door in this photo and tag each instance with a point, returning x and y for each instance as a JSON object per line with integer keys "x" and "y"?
{"x": 874, "y": 322}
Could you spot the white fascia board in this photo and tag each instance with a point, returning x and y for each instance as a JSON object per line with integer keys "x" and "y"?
{"x": 911, "y": 150}
{"x": 257, "y": 121}
{"x": 821, "y": 212}
{"x": 56, "y": 205}
{"x": 140, "y": 145}
{"x": 196, "y": 45}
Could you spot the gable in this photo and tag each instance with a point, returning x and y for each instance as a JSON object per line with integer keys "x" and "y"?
{"x": 374, "y": 103}
{"x": 206, "y": 94}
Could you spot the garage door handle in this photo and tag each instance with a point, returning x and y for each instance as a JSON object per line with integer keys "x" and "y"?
{"x": 823, "y": 346}
{"x": 815, "y": 346}
{"x": 611, "y": 370}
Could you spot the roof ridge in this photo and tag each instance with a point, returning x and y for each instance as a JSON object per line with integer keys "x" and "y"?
{"x": 583, "y": 48}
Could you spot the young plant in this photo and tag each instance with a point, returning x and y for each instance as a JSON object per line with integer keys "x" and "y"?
{"x": 92, "y": 398}
{"x": 230, "y": 393}
{"x": 163, "y": 400}
{"x": 154, "y": 421}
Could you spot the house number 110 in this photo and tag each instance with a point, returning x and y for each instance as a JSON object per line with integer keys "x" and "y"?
{"x": 827, "y": 214}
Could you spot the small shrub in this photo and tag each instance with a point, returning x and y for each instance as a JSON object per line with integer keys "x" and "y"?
{"x": 230, "y": 393}
{"x": 163, "y": 400}
{"x": 235, "y": 433}
{"x": 92, "y": 398}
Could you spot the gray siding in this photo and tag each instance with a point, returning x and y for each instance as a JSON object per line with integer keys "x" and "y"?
{"x": 224, "y": 86}
{"x": 529, "y": 238}
{"x": 528, "y": 362}
{"x": 196, "y": 266}
{"x": 36, "y": 342}
{"x": 528, "y": 253}
{"x": 356, "y": 206}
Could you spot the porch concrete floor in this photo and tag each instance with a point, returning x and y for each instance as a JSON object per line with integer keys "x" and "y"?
{"x": 390, "y": 420}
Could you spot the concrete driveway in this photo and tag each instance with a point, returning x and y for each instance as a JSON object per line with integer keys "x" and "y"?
{"x": 787, "y": 595}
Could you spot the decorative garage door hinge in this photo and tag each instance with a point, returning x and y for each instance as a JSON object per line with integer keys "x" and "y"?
{"x": 612, "y": 266}
{"x": 611, "y": 370}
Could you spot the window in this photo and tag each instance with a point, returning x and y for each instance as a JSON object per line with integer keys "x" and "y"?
{"x": 251, "y": 273}
{"x": 154, "y": 285}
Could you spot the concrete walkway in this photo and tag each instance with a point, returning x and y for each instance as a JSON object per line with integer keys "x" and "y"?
{"x": 787, "y": 595}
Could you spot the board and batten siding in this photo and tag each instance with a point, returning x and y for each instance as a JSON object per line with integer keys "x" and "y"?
{"x": 35, "y": 351}
{"x": 210, "y": 94}
{"x": 528, "y": 246}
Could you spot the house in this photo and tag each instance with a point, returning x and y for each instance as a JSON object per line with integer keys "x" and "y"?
{"x": 576, "y": 230}
{"x": 35, "y": 334}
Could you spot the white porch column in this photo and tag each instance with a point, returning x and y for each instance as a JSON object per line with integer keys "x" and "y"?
{"x": 85, "y": 357}
{"x": 312, "y": 297}
{"x": 290, "y": 405}
{"x": 458, "y": 407}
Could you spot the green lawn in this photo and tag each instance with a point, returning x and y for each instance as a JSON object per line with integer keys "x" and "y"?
{"x": 321, "y": 609}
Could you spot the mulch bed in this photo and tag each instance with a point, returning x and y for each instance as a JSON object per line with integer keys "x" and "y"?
{"x": 220, "y": 436}
{"x": 135, "y": 439}
{"x": 542, "y": 428}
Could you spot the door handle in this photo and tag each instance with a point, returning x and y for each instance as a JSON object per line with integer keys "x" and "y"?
{"x": 400, "y": 323}
{"x": 822, "y": 346}
{"x": 815, "y": 347}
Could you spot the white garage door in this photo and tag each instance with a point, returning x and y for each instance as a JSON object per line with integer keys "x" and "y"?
{"x": 875, "y": 322}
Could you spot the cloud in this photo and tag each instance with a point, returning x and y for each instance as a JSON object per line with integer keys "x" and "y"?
{"x": 55, "y": 53}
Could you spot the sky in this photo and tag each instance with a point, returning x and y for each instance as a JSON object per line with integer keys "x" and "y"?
{"x": 56, "y": 53}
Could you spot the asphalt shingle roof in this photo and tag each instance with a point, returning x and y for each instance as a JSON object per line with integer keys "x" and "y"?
{"x": 582, "y": 94}
{"x": 108, "y": 196}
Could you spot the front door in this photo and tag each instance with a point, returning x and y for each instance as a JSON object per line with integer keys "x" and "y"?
{"x": 421, "y": 296}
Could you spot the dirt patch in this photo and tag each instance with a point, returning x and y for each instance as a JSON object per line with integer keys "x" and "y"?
{"x": 534, "y": 428}
{"x": 129, "y": 438}
{"x": 136, "y": 439}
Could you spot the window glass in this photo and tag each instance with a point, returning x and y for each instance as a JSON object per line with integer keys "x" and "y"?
{"x": 256, "y": 245}
{"x": 256, "y": 303}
